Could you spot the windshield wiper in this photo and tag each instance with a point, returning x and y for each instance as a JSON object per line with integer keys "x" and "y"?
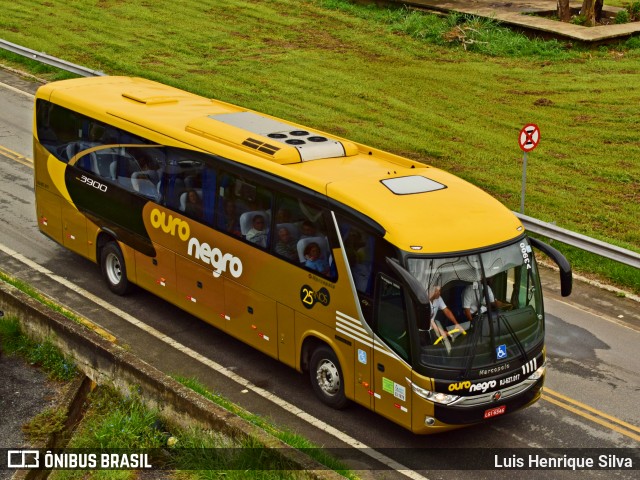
{"x": 517, "y": 341}
{"x": 471, "y": 350}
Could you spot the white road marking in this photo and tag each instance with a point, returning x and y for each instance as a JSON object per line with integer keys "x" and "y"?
{"x": 316, "y": 422}
{"x": 16, "y": 90}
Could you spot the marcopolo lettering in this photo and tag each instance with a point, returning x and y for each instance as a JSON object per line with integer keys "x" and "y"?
{"x": 201, "y": 250}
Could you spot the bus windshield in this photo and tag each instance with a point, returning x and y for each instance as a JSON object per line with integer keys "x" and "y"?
{"x": 486, "y": 308}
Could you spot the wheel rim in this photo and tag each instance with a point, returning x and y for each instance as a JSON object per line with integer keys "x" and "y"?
{"x": 113, "y": 269}
{"x": 328, "y": 377}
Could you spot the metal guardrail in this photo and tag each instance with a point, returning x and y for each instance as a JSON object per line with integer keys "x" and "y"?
{"x": 533, "y": 225}
{"x": 49, "y": 60}
{"x": 578, "y": 240}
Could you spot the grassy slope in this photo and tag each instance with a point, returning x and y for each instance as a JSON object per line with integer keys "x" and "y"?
{"x": 353, "y": 76}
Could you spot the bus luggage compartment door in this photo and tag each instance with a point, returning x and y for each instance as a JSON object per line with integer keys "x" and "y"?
{"x": 74, "y": 234}
{"x": 49, "y": 213}
{"x": 251, "y": 317}
{"x": 157, "y": 274}
{"x": 200, "y": 293}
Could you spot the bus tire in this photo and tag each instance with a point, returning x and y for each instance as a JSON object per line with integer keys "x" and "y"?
{"x": 326, "y": 377}
{"x": 114, "y": 269}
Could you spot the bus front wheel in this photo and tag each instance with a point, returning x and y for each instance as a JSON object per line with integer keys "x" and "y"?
{"x": 326, "y": 377}
{"x": 114, "y": 269}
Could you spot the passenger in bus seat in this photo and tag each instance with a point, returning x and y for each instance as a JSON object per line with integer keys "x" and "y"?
{"x": 286, "y": 245}
{"x": 308, "y": 230}
{"x": 193, "y": 205}
{"x": 473, "y": 297}
{"x": 229, "y": 220}
{"x": 314, "y": 259}
{"x": 284, "y": 215}
{"x": 258, "y": 233}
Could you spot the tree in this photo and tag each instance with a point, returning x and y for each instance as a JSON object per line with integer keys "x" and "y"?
{"x": 591, "y": 11}
{"x": 564, "y": 12}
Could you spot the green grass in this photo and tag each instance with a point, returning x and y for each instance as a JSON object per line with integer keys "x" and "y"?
{"x": 41, "y": 354}
{"x": 114, "y": 422}
{"x": 48, "y": 422}
{"x": 453, "y": 92}
{"x": 36, "y": 295}
{"x": 290, "y": 438}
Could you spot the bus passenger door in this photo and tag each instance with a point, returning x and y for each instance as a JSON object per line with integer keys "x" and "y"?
{"x": 391, "y": 370}
{"x": 349, "y": 331}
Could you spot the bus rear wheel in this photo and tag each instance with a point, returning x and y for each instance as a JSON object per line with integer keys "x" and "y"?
{"x": 114, "y": 269}
{"x": 326, "y": 377}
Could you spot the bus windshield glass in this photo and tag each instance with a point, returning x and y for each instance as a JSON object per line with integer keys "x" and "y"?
{"x": 486, "y": 308}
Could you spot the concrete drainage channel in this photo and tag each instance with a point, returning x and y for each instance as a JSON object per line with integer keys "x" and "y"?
{"x": 70, "y": 403}
{"x": 103, "y": 362}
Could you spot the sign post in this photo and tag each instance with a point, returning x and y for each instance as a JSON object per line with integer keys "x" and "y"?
{"x": 528, "y": 140}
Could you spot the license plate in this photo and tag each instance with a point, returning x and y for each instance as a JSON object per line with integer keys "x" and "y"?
{"x": 494, "y": 412}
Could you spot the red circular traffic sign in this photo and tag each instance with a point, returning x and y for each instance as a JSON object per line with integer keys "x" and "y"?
{"x": 529, "y": 137}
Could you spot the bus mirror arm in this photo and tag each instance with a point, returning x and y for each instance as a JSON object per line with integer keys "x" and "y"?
{"x": 566, "y": 277}
{"x": 416, "y": 290}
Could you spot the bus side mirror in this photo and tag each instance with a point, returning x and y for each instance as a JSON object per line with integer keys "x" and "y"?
{"x": 416, "y": 290}
{"x": 566, "y": 277}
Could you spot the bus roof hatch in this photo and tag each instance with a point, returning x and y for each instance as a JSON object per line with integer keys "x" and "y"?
{"x": 272, "y": 137}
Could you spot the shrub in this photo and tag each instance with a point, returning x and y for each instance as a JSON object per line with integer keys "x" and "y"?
{"x": 622, "y": 17}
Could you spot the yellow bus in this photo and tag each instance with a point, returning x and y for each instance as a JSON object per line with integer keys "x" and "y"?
{"x": 395, "y": 285}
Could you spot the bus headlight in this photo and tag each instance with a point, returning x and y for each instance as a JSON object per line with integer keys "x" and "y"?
{"x": 437, "y": 397}
{"x": 538, "y": 373}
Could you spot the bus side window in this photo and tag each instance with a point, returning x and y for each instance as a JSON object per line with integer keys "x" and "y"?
{"x": 301, "y": 235}
{"x": 65, "y": 133}
{"x": 245, "y": 209}
{"x": 391, "y": 316}
{"x": 59, "y": 129}
{"x": 359, "y": 247}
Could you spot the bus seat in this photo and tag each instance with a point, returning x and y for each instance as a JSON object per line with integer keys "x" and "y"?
{"x": 173, "y": 191}
{"x": 452, "y": 294}
{"x": 322, "y": 242}
{"x": 141, "y": 184}
{"x": 103, "y": 164}
{"x": 246, "y": 220}
{"x": 71, "y": 150}
{"x": 183, "y": 198}
{"x": 291, "y": 227}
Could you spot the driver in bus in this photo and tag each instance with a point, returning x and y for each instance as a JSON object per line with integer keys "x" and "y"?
{"x": 437, "y": 304}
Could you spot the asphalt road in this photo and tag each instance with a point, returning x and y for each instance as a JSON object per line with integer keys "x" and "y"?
{"x": 592, "y": 384}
